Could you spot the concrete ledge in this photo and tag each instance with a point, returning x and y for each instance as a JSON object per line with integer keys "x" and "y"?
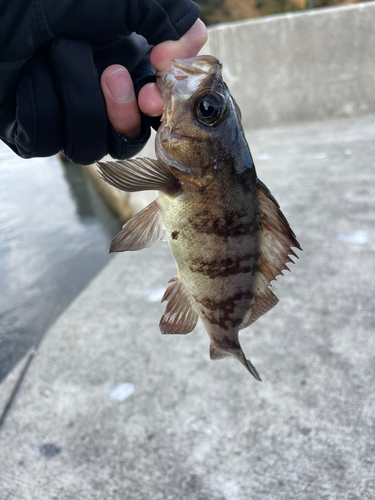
{"x": 303, "y": 67}
{"x": 111, "y": 409}
{"x": 10, "y": 384}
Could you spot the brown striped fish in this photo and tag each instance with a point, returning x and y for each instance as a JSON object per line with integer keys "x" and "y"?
{"x": 225, "y": 230}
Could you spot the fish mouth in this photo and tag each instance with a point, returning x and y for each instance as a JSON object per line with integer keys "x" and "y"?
{"x": 184, "y": 75}
{"x": 180, "y": 82}
{"x": 208, "y": 65}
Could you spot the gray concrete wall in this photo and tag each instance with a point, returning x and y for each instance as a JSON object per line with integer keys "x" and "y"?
{"x": 300, "y": 67}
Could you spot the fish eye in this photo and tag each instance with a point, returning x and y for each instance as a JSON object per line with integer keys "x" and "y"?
{"x": 209, "y": 107}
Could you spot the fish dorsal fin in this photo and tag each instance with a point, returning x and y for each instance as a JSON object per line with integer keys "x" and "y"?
{"x": 141, "y": 174}
{"x": 180, "y": 315}
{"x": 264, "y": 301}
{"x": 276, "y": 242}
{"x": 140, "y": 231}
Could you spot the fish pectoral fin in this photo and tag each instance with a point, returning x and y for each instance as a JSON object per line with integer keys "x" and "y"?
{"x": 141, "y": 231}
{"x": 180, "y": 316}
{"x": 236, "y": 352}
{"x": 140, "y": 174}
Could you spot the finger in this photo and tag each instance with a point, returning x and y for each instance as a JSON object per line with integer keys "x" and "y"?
{"x": 150, "y": 101}
{"x": 187, "y": 46}
{"x": 121, "y": 102}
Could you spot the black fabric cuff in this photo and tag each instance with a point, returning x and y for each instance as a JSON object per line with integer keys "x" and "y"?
{"x": 145, "y": 73}
{"x": 181, "y": 14}
{"x": 121, "y": 147}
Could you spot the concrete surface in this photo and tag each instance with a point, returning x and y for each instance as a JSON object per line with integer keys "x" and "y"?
{"x": 300, "y": 67}
{"x": 185, "y": 427}
{"x": 11, "y": 382}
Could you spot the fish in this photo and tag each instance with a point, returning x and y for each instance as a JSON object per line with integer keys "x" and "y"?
{"x": 225, "y": 229}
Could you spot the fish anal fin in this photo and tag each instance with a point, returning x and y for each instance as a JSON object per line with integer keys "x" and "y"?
{"x": 141, "y": 231}
{"x": 180, "y": 316}
{"x": 140, "y": 174}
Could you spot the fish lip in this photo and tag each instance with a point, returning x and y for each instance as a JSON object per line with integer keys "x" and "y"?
{"x": 184, "y": 75}
{"x": 200, "y": 64}
{"x": 165, "y": 79}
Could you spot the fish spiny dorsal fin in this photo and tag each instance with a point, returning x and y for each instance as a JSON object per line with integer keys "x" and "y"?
{"x": 276, "y": 242}
{"x": 180, "y": 316}
{"x": 141, "y": 174}
{"x": 237, "y": 352}
{"x": 141, "y": 231}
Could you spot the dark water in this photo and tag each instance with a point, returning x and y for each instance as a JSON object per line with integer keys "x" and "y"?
{"x": 54, "y": 236}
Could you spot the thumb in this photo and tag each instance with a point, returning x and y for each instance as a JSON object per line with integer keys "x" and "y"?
{"x": 121, "y": 102}
{"x": 187, "y": 46}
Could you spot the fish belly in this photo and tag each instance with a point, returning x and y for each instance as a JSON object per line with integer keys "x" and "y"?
{"x": 214, "y": 239}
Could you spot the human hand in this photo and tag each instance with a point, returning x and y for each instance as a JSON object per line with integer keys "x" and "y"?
{"x": 122, "y": 106}
{"x": 50, "y": 94}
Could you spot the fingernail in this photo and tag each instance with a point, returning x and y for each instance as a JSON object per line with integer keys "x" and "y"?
{"x": 120, "y": 85}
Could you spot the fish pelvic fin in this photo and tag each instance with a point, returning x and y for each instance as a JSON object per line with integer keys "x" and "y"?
{"x": 236, "y": 352}
{"x": 140, "y": 174}
{"x": 180, "y": 316}
{"x": 141, "y": 231}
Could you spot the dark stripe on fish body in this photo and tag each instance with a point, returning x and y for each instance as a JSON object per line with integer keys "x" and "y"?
{"x": 232, "y": 226}
{"x": 226, "y": 267}
{"x": 246, "y": 182}
{"x": 225, "y": 308}
{"x": 225, "y": 305}
{"x": 222, "y": 322}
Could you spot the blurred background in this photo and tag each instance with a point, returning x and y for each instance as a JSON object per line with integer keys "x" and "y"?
{"x": 221, "y": 11}
{"x": 55, "y": 231}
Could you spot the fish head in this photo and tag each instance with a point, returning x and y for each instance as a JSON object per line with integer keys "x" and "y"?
{"x": 201, "y": 123}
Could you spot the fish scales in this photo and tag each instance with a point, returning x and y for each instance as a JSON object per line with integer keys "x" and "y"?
{"x": 224, "y": 228}
{"x": 216, "y": 250}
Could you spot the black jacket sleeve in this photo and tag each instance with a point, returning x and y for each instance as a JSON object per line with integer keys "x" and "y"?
{"x": 51, "y": 57}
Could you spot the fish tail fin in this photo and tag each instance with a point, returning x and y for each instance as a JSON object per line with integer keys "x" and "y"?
{"x": 216, "y": 353}
{"x": 250, "y": 367}
{"x": 237, "y": 352}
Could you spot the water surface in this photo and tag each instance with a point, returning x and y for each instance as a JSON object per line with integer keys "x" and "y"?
{"x": 54, "y": 236}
